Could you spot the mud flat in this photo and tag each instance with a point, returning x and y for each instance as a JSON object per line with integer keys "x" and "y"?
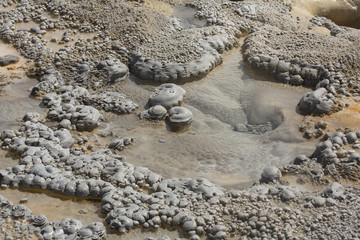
{"x": 190, "y": 119}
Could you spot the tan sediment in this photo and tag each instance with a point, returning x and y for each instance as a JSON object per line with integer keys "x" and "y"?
{"x": 57, "y": 207}
{"x": 304, "y": 20}
{"x": 348, "y": 117}
{"x": 155, "y": 5}
{"x": 342, "y": 12}
{"x": 159, "y": 6}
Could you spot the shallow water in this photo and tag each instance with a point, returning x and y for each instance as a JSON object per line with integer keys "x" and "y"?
{"x": 347, "y": 117}
{"x": 212, "y": 149}
{"x": 6, "y": 49}
{"x": 14, "y": 99}
{"x": 16, "y": 102}
{"x": 55, "y": 207}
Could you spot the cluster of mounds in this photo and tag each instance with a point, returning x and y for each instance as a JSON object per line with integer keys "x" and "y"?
{"x": 195, "y": 205}
{"x": 165, "y": 102}
{"x": 304, "y": 59}
{"x": 193, "y": 52}
{"x": 18, "y": 222}
{"x": 76, "y": 106}
{"x": 335, "y": 158}
{"x": 75, "y": 82}
{"x": 149, "y": 69}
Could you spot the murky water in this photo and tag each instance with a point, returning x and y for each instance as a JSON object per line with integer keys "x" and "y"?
{"x": 14, "y": 99}
{"x": 56, "y": 207}
{"x": 16, "y": 102}
{"x": 6, "y": 49}
{"x": 186, "y": 15}
{"x": 212, "y": 149}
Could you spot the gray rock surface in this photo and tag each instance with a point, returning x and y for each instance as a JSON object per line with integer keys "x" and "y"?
{"x": 315, "y": 102}
{"x": 115, "y": 70}
{"x": 156, "y": 112}
{"x": 8, "y": 59}
{"x": 167, "y": 95}
{"x": 179, "y": 119}
{"x": 270, "y": 174}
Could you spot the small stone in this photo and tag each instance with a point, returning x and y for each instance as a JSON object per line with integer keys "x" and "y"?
{"x": 308, "y": 134}
{"x": 8, "y": 59}
{"x": 83, "y": 211}
{"x": 270, "y": 174}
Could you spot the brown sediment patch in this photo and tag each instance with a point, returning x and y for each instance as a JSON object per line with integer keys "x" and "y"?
{"x": 8, "y": 7}
{"x": 58, "y": 207}
{"x": 14, "y": 72}
{"x": 304, "y": 17}
{"x": 348, "y": 117}
{"x": 301, "y": 181}
{"x": 25, "y": 26}
{"x": 342, "y": 12}
{"x": 7, "y": 159}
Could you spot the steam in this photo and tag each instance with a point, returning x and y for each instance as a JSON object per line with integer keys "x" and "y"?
{"x": 263, "y": 110}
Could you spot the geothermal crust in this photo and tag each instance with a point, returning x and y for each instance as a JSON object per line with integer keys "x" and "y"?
{"x": 81, "y": 81}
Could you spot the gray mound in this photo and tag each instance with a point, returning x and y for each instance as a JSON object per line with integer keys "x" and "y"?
{"x": 167, "y": 95}
{"x": 179, "y": 119}
{"x": 8, "y": 59}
